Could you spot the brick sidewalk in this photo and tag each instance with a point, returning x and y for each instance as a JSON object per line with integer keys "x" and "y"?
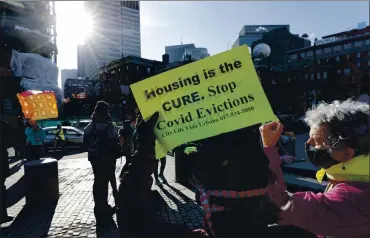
{"x": 73, "y": 216}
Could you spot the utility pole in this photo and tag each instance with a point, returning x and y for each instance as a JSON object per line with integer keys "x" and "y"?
{"x": 314, "y": 61}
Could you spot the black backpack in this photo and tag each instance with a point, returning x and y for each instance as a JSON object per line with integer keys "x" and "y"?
{"x": 99, "y": 143}
{"x": 102, "y": 146}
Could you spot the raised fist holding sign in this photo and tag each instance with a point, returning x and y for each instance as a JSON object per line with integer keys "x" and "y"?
{"x": 270, "y": 133}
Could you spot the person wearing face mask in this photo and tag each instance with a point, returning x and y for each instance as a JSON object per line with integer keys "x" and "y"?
{"x": 339, "y": 145}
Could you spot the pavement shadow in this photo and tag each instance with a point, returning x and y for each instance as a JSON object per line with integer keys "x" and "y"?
{"x": 110, "y": 229}
{"x": 180, "y": 194}
{"x": 159, "y": 227}
{"x": 13, "y": 159}
{"x": 16, "y": 192}
{"x": 59, "y": 154}
{"x": 187, "y": 209}
{"x": 15, "y": 168}
{"x": 31, "y": 221}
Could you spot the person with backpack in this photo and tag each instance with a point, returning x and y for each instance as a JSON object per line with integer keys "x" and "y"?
{"x": 101, "y": 140}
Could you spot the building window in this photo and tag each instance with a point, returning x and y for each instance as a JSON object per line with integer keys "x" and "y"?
{"x": 327, "y": 50}
{"x": 347, "y": 46}
{"x": 318, "y": 61}
{"x": 325, "y": 75}
{"x": 306, "y": 76}
{"x": 367, "y": 42}
{"x": 318, "y": 75}
{"x": 358, "y": 55}
{"x": 303, "y": 54}
{"x": 294, "y": 57}
{"x": 358, "y": 65}
{"x": 312, "y": 76}
{"x": 347, "y": 71}
{"x": 339, "y": 71}
{"x": 309, "y": 53}
{"x": 337, "y": 58}
{"x": 358, "y": 43}
{"x": 348, "y": 57}
{"x": 337, "y": 48}
{"x": 318, "y": 52}
{"x": 289, "y": 79}
{"x": 368, "y": 63}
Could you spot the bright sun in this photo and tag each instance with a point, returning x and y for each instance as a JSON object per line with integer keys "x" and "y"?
{"x": 73, "y": 24}
{"x": 85, "y": 25}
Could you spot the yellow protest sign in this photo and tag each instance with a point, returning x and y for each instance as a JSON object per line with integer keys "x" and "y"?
{"x": 37, "y": 105}
{"x": 206, "y": 98}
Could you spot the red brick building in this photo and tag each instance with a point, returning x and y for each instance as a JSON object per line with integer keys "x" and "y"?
{"x": 336, "y": 67}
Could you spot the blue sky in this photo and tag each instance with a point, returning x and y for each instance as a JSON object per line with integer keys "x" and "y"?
{"x": 214, "y": 25}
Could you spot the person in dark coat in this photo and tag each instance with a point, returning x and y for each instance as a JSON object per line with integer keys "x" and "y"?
{"x": 6, "y": 142}
{"x": 100, "y": 139}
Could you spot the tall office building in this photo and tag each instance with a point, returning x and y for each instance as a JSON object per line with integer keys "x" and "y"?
{"x": 180, "y": 52}
{"x": 81, "y": 60}
{"x": 116, "y": 33}
{"x": 251, "y": 33}
{"x": 66, "y": 74}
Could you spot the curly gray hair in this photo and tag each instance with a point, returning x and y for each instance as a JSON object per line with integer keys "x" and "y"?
{"x": 348, "y": 122}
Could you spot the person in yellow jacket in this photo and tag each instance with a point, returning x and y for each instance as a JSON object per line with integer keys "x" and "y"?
{"x": 59, "y": 137}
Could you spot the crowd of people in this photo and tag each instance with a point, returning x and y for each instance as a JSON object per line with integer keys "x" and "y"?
{"x": 338, "y": 144}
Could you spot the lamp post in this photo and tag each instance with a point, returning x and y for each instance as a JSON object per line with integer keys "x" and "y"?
{"x": 260, "y": 52}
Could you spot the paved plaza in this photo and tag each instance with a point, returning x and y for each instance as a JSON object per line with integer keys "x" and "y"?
{"x": 73, "y": 215}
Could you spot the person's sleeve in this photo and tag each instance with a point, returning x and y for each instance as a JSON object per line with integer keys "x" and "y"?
{"x": 275, "y": 165}
{"x": 322, "y": 214}
{"x": 325, "y": 214}
{"x": 86, "y": 137}
{"x": 43, "y": 134}
{"x": 28, "y": 131}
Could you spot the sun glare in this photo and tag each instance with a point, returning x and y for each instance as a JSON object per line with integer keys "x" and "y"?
{"x": 86, "y": 25}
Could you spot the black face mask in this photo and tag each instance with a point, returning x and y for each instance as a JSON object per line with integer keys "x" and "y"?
{"x": 319, "y": 157}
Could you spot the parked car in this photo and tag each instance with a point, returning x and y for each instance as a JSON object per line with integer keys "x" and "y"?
{"x": 73, "y": 137}
{"x": 81, "y": 124}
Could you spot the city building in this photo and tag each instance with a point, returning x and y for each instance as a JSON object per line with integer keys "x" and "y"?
{"x": 66, "y": 74}
{"x": 335, "y": 67}
{"x": 118, "y": 75}
{"x": 195, "y": 54}
{"x": 280, "y": 40}
{"x": 78, "y": 88}
{"x": 81, "y": 60}
{"x": 181, "y": 52}
{"x": 116, "y": 34}
{"x": 343, "y": 52}
{"x": 251, "y": 33}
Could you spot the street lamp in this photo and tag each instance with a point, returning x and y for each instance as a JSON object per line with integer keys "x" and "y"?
{"x": 261, "y": 51}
